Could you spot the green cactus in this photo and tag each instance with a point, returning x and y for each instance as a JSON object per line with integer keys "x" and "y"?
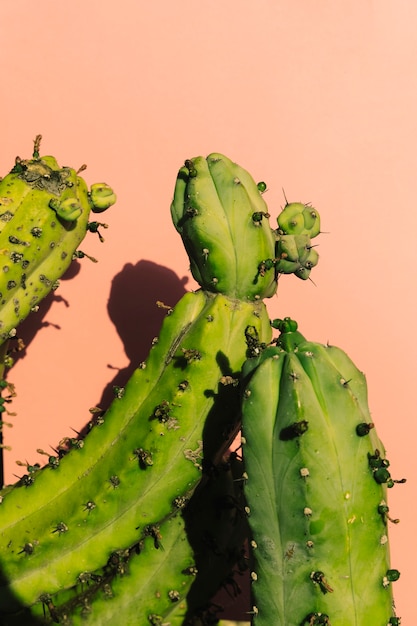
{"x": 297, "y": 224}
{"x": 44, "y": 212}
{"x": 316, "y": 489}
{"x": 223, "y": 221}
{"x": 143, "y": 459}
{"x": 120, "y": 526}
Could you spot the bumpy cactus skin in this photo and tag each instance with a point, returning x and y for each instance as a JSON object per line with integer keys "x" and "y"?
{"x": 223, "y": 221}
{"x": 297, "y": 224}
{"x": 72, "y": 530}
{"x": 151, "y": 440}
{"x": 316, "y": 489}
{"x": 144, "y": 586}
{"x": 44, "y": 212}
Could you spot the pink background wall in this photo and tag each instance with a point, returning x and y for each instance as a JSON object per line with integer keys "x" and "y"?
{"x": 318, "y": 98}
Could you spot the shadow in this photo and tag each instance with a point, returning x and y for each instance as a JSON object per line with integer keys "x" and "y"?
{"x": 18, "y": 346}
{"x": 215, "y": 516}
{"x": 133, "y": 308}
{"x": 217, "y": 530}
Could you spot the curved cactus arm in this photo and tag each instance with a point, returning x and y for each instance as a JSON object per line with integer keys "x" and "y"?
{"x": 150, "y": 440}
{"x": 150, "y": 582}
{"x": 320, "y": 539}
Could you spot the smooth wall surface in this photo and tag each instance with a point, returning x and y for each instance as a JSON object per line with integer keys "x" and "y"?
{"x": 316, "y": 97}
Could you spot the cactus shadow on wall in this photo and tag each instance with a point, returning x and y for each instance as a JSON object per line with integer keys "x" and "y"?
{"x": 133, "y": 309}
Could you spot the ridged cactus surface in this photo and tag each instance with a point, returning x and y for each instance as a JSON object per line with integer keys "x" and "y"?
{"x": 140, "y": 522}
{"x": 298, "y": 224}
{"x": 316, "y": 488}
{"x": 81, "y": 538}
{"x": 44, "y": 212}
{"x": 223, "y": 221}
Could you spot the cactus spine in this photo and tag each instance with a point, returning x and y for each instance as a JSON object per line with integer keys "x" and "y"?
{"x": 123, "y": 486}
{"x": 316, "y": 489}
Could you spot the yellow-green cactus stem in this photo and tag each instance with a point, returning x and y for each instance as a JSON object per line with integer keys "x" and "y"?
{"x": 146, "y": 453}
{"x": 44, "y": 212}
{"x": 144, "y": 585}
{"x": 316, "y": 489}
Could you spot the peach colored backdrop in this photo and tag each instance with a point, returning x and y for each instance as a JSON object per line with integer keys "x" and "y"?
{"x": 318, "y": 98}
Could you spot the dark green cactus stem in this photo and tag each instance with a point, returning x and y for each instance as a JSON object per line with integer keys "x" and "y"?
{"x": 318, "y": 512}
{"x": 44, "y": 212}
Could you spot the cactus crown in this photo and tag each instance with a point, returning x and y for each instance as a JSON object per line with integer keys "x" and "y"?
{"x": 223, "y": 221}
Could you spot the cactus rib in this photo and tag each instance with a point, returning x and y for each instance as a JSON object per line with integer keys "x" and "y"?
{"x": 320, "y": 541}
